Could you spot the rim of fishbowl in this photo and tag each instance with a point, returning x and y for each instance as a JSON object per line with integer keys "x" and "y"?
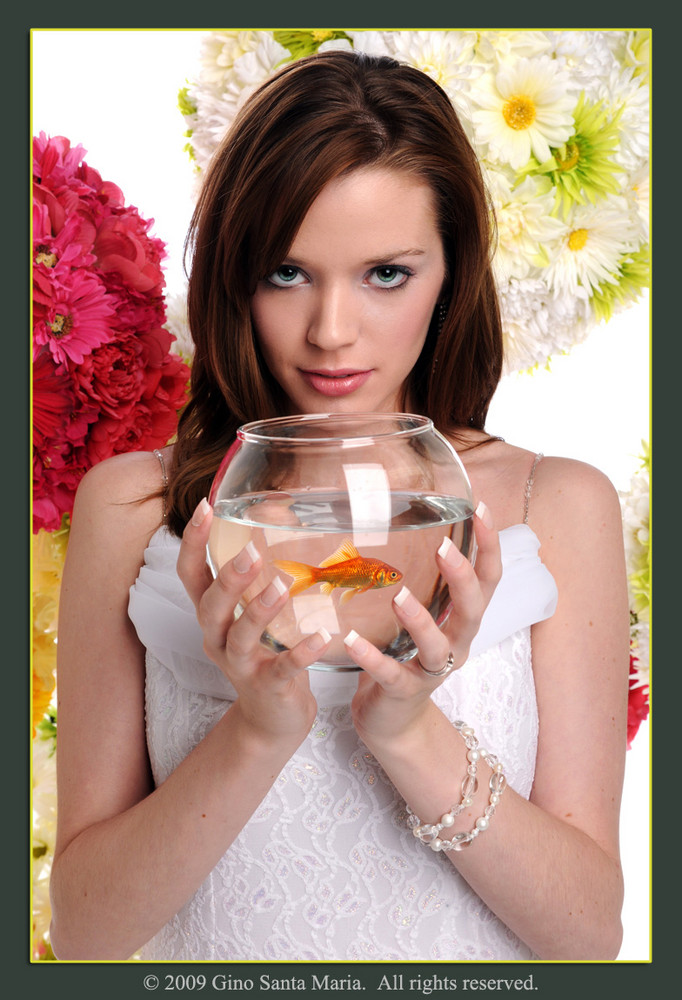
{"x": 248, "y": 432}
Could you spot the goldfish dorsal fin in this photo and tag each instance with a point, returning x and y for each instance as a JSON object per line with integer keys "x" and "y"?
{"x": 345, "y": 551}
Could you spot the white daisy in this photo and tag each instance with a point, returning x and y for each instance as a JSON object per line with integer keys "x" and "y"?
{"x": 524, "y": 223}
{"x": 597, "y": 238}
{"x": 527, "y": 106}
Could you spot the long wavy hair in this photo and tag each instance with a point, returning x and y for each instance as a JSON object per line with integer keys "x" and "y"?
{"x": 316, "y": 119}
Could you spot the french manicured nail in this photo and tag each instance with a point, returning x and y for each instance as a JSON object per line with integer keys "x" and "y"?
{"x": 273, "y": 592}
{"x": 246, "y": 558}
{"x": 318, "y": 639}
{"x": 484, "y": 515}
{"x": 407, "y": 602}
{"x": 199, "y": 515}
{"x": 450, "y": 553}
{"x": 355, "y": 642}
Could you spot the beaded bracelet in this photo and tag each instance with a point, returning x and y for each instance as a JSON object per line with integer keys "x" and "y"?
{"x": 428, "y": 832}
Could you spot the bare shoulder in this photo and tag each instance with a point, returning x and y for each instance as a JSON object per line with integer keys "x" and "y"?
{"x": 119, "y": 505}
{"x": 570, "y": 490}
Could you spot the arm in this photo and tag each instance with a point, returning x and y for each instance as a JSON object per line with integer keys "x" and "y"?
{"x": 549, "y": 868}
{"x": 128, "y": 856}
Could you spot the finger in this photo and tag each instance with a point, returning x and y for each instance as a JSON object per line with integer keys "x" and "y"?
{"x": 243, "y": 637}
{"x": 218, "y": 604}
{"x": 433, "y": 646}
{"x": 192, "y": 566}
{"x": 382, "y": 669}
{"x": 302, "y": 655}
{"x": 488, "y": 564}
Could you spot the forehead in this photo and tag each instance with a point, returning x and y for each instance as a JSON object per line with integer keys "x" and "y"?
{"x": 372, "y": 206}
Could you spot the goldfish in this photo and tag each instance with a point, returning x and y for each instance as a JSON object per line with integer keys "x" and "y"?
{"x": 343, "y": 568}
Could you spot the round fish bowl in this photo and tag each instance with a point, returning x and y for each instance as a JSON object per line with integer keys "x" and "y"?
{"x": 345, "y": 509}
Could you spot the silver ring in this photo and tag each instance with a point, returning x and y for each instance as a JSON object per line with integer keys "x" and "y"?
{"x": 449, "y": 664}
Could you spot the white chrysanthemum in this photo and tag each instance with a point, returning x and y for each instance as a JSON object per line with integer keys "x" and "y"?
{"x": 336, "y": 44}
{"x": 524, "y": 223}
{"x": 445, "y": 56}
{"x": 635, "y": 512}
{"x": 374, "y": 43}
{"x": 623, "y": 89}
{"x": 44, "y": 795}
{"x": 178, "y": 324}
{"x": 638, "y": 52}
{"x": 636, "y": 190}
{"x": 639, "y": 638}
{"x": 587, "y": 56}
{"x": 537, "y": 326}
{"x": 502, "y": 46}
{"x": 216, "y": 109}
{"x": 598, "y": 237}
{"x": 526, "y": 107}
{"x": 40, "y": 905}
{"x": 220, "y": 50}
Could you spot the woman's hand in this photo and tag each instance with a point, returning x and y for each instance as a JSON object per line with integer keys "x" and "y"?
{"x": 393, "y": 697}
{"x": 274, "y": 689}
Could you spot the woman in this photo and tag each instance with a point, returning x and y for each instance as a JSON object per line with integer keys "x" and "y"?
{"x": 341, "y": 262}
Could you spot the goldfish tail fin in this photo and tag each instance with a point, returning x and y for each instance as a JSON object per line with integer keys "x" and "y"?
{"x": 303, "y": 575}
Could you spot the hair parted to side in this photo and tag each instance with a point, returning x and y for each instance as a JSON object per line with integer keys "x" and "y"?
{"x": 318, "y": 118}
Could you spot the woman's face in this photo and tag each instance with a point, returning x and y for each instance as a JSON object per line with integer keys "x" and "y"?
{"x": 343, "y": 319}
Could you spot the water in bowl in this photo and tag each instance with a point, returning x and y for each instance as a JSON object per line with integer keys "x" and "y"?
{"x": 372, "y": 560}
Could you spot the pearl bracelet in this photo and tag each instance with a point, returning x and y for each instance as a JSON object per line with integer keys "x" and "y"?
{"x": 428, "y": 832}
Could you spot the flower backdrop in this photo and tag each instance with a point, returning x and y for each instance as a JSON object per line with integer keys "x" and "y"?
{"x": 105, "y": 381}
{"x": 560, "y": 121}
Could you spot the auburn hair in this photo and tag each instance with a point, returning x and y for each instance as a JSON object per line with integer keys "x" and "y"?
{"x": 314, "y": 120}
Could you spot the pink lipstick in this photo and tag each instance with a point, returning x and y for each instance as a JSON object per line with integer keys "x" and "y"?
{"x": 336, "y": 383}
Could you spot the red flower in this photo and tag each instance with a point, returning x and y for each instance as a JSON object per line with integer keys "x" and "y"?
{"x": 638, "y": 702}
{"x": 72, "y": 314}
{"x": 104, "y": 380}
{"x": 123, "y": 247}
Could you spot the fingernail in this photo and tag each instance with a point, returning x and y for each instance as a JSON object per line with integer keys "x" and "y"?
{"x": 199, "y": 515}
{"x": 355, "y": 642}
{"x": 450, "y": 553}
{"x": 484, "y": 515}
{"x": 407, "y": 602}
{"x": 318, "y": 639}
{"x": 246, "y": 558}
{"x": 273, "y": 592}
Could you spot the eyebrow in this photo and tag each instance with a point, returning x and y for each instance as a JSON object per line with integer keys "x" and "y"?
{"x": 372, "y": 262}
{"x": 412, "y": 252}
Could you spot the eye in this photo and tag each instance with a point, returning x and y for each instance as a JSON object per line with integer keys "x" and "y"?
{"x": 285, "y": 276}
{"x": 390, "y": 276}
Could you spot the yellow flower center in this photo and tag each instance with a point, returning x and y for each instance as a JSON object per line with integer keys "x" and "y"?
{"x": 45, "y": 256}
{"x": 571, "y": 155}
{"x": 577, "y": 239}
{"x": 61, "y": 325}
{"x": 322, "y": 34}
{"x": 519, "y": 112}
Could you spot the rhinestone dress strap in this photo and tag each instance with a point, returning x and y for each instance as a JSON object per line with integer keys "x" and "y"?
{"x": 164, "y": 474}
{"x": 529, "y": 485}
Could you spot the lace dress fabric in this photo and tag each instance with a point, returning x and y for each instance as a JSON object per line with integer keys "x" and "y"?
{"x": 327, "y": 868}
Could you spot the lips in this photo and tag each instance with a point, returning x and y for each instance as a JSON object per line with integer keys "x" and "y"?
{"x": 340, "y": 382}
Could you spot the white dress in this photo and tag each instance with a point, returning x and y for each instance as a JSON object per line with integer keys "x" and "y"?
{"x": 327, "y": 868}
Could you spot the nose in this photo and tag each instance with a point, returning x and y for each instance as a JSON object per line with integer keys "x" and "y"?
{"x": 334, "y": 320}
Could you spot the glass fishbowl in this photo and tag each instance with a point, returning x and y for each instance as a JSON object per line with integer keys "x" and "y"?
{"x": 345, "y": 509}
